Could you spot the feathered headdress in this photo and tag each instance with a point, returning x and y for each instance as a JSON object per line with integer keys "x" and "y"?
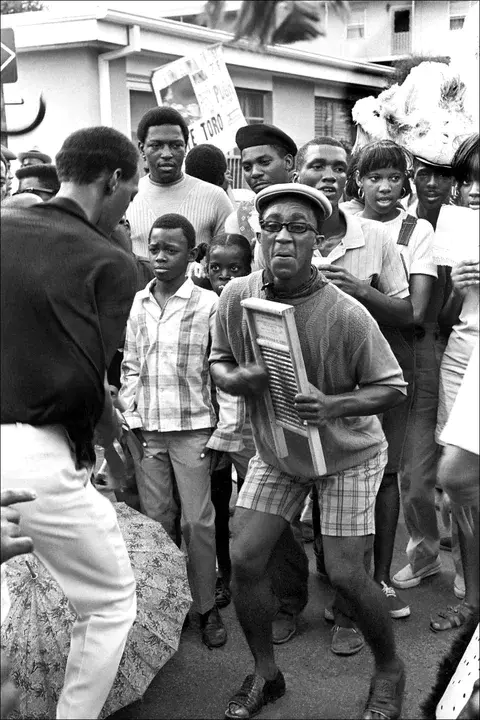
{"x": 426, "y": 114}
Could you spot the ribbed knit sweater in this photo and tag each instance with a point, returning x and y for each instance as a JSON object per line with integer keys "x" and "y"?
{"x": 342, "y": 348}
{"x": 205, "y": 205}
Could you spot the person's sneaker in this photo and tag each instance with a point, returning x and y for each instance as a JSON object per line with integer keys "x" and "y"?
{"x": 284, "y": 626}
{"x": 223, "y": 593}
{"x": 214, "y": 634}
{"x": 386, "y": 695}
{"x": 253, "y": 695}
{"x": 406, "y": 578}
{"x": 346, "y": 640}
{"x": 397, "y": 607}
{"x": 459, "y": 587}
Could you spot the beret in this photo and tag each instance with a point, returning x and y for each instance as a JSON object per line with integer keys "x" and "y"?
{"x": 261, "y": 134}
{"x": 8, "y": 154}
{"x": 303, "y": 191}
{"x": 35, "y": 154}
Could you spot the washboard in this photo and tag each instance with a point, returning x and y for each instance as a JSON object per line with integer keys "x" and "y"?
{"x": 276, "y": 345}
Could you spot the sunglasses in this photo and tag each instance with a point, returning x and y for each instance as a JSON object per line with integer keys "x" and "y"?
{"x": 36, "y": 191}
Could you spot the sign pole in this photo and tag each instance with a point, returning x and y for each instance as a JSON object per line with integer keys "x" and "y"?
{"x": 3, "y": 134}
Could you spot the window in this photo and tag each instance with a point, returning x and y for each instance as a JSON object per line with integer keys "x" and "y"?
{"x": 401, "y": 21}
{"x": 458, "y": 10}
{"x": 356, "y": 23}
{"x": 252, "y": 103}
{"x": 334, "y": 118}
{"x": 456, "y": 23}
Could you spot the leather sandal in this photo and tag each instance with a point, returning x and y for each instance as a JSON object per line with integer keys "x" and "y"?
{"x": 452, "y": 617}
{"x": 253, "y": 695}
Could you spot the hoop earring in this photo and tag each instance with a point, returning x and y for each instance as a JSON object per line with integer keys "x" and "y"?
{"x": 404, "y": 192}
{"x": 361, "y": 194}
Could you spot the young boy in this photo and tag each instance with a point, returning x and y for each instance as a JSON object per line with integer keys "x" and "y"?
{"x": 166, "y": 391}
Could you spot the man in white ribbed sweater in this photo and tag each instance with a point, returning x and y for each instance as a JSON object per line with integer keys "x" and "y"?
{"x": 162, "y": 139}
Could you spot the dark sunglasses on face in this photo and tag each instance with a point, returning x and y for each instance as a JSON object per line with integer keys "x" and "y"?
{"x": 36, "y": 191}
{"x": 298, "y": 228}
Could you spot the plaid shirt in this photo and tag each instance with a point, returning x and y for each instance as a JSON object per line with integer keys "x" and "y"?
{"x": 165, "y": 373}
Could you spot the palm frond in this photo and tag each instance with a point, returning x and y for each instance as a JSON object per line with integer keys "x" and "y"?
{"x": 276, "y": 22}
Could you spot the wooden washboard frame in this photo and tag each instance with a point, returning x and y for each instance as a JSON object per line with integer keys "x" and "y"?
{"x": 276, "y": 345}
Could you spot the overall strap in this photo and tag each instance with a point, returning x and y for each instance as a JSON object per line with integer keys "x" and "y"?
{"x": 406, "y": 231}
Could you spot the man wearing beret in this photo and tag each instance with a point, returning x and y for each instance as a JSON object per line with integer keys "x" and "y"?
{"x": 353, "y": 376}
{"x": 268, "y": 158}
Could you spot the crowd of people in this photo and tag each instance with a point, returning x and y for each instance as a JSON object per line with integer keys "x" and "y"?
{"x": 121, "y": 313}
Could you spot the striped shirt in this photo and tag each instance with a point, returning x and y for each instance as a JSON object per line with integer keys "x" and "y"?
{"x": 205, "y": 205}
{"x": 165, "y": 374}
{"x": 368, "y": 252}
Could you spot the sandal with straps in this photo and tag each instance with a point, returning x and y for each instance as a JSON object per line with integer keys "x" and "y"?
{"x": 253, "y": 695}
{"x": 452, "y": 617}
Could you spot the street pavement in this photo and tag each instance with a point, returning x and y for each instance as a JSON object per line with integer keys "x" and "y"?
{"x": 197, "y": 682}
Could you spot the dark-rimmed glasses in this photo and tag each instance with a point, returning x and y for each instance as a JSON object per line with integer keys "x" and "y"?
{"x": 294, "y": 227}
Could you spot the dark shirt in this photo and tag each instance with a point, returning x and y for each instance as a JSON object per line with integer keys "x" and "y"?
{"x": 66, "y": 293}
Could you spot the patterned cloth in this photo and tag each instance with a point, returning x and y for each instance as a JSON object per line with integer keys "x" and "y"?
{"x": 346, "y": 498}
{"x": 165, "y": 374}
{"x": 37, "y": 631}
{"x": 368, "y": 252}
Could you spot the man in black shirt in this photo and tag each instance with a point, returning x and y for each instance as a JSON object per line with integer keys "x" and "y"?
{"x": 66, "y": 293}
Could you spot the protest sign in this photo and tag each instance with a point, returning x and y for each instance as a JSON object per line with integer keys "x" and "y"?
{"x": 202, "y": 91}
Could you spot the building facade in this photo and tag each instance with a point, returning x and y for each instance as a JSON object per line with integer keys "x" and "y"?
{"x": 95, "y": 69}
{"x": 375, "y": 31}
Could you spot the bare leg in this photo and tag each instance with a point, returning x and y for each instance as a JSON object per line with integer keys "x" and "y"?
{"x": 255, "y": 537}
{"x": 344, "y": 557}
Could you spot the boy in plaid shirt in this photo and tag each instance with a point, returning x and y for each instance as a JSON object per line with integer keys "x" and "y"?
{"x": 167, "y": 394}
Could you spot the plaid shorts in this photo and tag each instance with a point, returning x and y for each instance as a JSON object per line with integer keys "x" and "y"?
{"x": 346, "y": 498}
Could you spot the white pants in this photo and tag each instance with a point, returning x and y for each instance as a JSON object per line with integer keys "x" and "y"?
{"x": 76, "y": 535}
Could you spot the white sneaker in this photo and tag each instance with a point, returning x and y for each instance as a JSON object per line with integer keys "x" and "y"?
{"x": 406, "y": 578}
{"x": 459, "y": 587}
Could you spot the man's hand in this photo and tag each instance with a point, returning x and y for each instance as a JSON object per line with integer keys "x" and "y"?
{"x": 314, "y": 408}
{"x": 249, "y": 379}
{"x": 464, "y": 275}
{"x": 215, "y": 457}
{"x": 342, "y": 279}
{"x": 12, "y": 543}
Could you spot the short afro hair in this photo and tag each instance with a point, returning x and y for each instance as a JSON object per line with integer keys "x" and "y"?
{"x": 206, "y": 162}
{"x": 86, "y": 154}
{"x": 172, "y": 221}
{"x": 231, "y": 240}
{"x": 465, "y": 163}
{"x": 320, "y": 140}
{"x": 47, "y": 174}
{"x": 161, "y": 116}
